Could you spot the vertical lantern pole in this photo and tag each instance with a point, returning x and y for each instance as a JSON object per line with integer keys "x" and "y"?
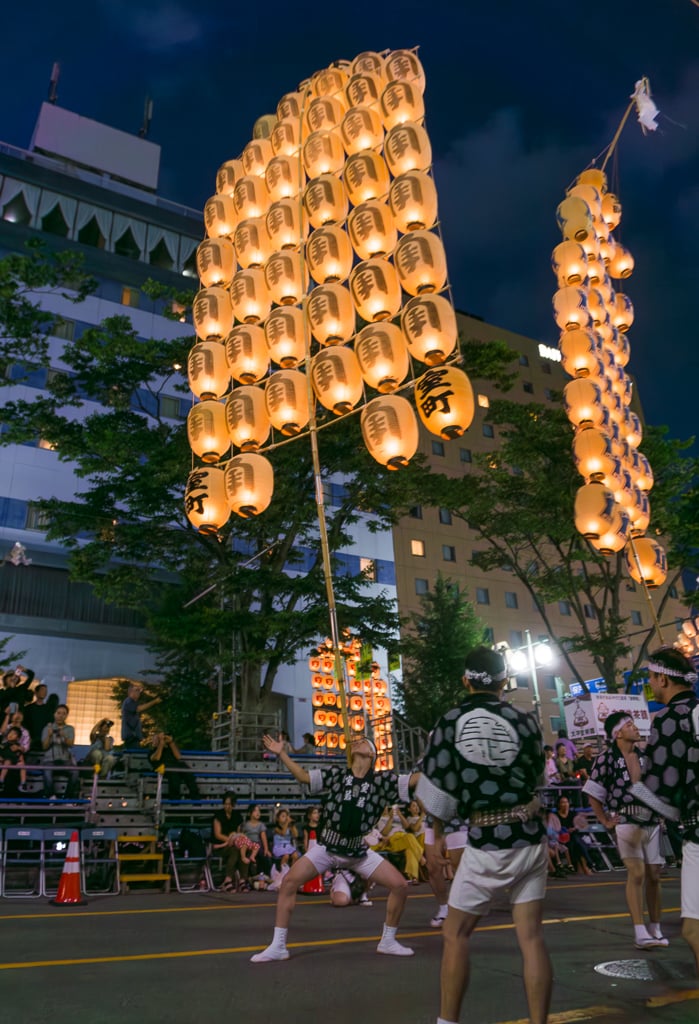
{"x": 646, "y": 592}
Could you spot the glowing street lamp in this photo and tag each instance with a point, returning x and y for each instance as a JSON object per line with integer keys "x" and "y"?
{"x": 534, "y": 654}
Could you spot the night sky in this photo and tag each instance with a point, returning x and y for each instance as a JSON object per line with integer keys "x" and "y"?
{"x": 520, "y": 98}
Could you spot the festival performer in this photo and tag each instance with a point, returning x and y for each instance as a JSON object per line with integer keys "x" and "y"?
{"x": 671, "y": 785}
{"x": 636, "y": 828}
{"x": 483, "y": 763}
{"x": 353, "y": 800}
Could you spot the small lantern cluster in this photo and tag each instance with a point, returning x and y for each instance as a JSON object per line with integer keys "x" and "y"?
{"x": 322, "y": 262}
{"x": 612, "y": 507}
{"x": 688, "y": 638}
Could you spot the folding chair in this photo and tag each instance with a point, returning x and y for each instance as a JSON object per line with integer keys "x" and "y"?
{"x": 190, "y": 869}
{"x": 99, "y": 861}
{"x": 23, "y": 863}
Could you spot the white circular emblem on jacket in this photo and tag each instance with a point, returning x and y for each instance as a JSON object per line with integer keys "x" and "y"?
{"x": 485, "y": 738}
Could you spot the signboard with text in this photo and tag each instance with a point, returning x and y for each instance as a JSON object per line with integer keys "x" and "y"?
{"x": 586, "y": 714}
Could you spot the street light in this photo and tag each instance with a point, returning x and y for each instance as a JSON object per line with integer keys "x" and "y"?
{"x": 534, "y": 653}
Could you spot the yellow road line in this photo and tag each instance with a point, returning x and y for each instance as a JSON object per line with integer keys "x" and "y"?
{"x": 673, "y": 997}
{"x": 568, "y": 1016}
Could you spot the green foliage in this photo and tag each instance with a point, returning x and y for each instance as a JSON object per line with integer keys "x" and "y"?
{"x": 8, "y": 659}
{"x": 434, "y": 651}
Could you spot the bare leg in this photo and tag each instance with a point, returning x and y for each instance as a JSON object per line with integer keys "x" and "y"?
{"x": 653, "y": 892}
{"x": 690, "y": 934}
{"x": 303, "y": 871}
{"x": 456, "y": 932}
{"x": 536, "y": 964}
{"x": 634, "y": 888}
{"x": 397, "y": 886}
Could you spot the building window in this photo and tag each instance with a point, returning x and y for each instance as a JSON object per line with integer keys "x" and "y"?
{"x": 528, "y": 387}
{"x": 127, "y": 246}
{"x": 36, "y": 518}
{"x": 421, "y": 586}
{"x": 488, "y": 430}
{"x": 548, "y": 394}
{"x": 556, "y": 724}
{"x": 445, "y": 516}
{"x": 516, "y": 639}
{"x": 589, "y": 611}
{"x": 549, "y": 682}
{"x": 511, "y": 599}
{"x": 545, "y": 367}
{"x": 55, "y": 223}
{"x": 91, "y": 234}
{"x": 48, "y": 446}
{"x": 672, "y": 591}
{"x": 488, "y": 635}
{"x": 169, "y": 407}
{"x": 415, "y": 512}
{"x": 448, "y": 552}
{"x": 483, "y": 401}
{"x": 17, "y": 211}
{"x": 179, "y": 311}
{"x": 130, "y": 296}
{"x": 367, "y": 567}
{"x": 564, "y": 607}
{"x": 636, "y": 618}
{"x": 438, "y": 447}
{"x": 63, "y": 328}
{"x": 417, "y": 548}
{"x": 465, "y": 455}
{"x": 524, "y": 360}
{"x": 482, "y": 595}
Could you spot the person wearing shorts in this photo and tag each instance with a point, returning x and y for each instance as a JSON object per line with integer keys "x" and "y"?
{"x": 347, "y": 888}
{"x": 353, "y": 800}
{"x": 483, "y": 764}
{"x": 455, "y": 834}
{"x": 636, "y": 828}
{"x": 670, "y": 787}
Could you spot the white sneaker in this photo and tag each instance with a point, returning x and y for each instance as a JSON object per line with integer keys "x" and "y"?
{"x": 364, "y": 902}
{"x": 650, "y": 943}
{"x": 270, "y": 954}
{"x": 391, "y": 947}
{"x": 660, "y": 940}
{"x": 438, "y": 920}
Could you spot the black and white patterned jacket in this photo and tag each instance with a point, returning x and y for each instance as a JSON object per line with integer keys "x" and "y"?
{"x": 610, "y": 783}
{"x": 345, "y": 798}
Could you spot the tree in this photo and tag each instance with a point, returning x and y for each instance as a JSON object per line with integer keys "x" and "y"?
{"x": 434, "y": 651}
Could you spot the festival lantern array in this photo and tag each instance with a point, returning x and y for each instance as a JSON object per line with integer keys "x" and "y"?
{"x": 611, "y": 508}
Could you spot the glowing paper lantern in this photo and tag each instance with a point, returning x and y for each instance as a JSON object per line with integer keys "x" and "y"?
{"x": 611, "y": 210}
{"x": 375, "y": 290}
{"x": 249, "y": 483}
{"x": 366, "y": 177}
{"x": 371, "y": 230}
{"x": 361, "y": 129}
{"x": 285, "y": 226}
{"x": 286, "y": 400}
{"x": 370, "y": 63}
{"x": 207, "y": 370}
{"x": 325, "y": 201}
{"x": 323, "y": 154}
{"x": 329, "y": 255}
{"x": 250, "y": 197}
{"x": 205, "y": 500}
{"x": 286, "y": 278}
{"x": 329, "y": 82}
{"x": 284, "y": 332}
{"x": 364, "y": 90}
{"x": 216, "y": 262}
{"x": 570, "y": 308}
{"x": 283, "y": 178}
{"x": 407, "y": 148}
{"x": 593, "y": 176}
{"x": 429, "y": 326}
{"x": 206, "y": 430}
{"x": 246, "y": 418}
{"x": 592, "y": 451}
{"x": 383, "y": 356}
{"x": 595, "y": 509}
{"x": 580, "y": 353}
{"x": 324, "y": 113}
{"x": 622, "y": 263}
{"x": 286, "y": 138}
{"x": 263, "y": 126}
{"x": 252, "y": 243}
{"x": 645, "y": 479}
{"x": 583, "y": 403}
{"x": 290, "y": 106}
{"x": 574, "y": 219}
{"x": 445, "y": 402}
{"x": 220, "y": 217}
{"x": 246, "y": 354}
{"x": 639, "y": 513}
{"x": 421, "y": 264}
{"x": 255, "y": 157}
{"x": 331, "y": 314}
{"x": 212, "y": 313}
{"x": 413, "y": 201}
{"x": 400, "y": 102}
{"x": 249, "y": 296}
{"x": 336, "y": 378}
{"x": 646, "y": 562}
{"x": 569, "y": 263}
{"x": 623, "y": 314}
{"x": 591, "y": 196}
{"x": 615, "y": 536}
{"x": 404, "y": 66}
{"x": 227, "y": 175}
{"x": 390, "y": 430}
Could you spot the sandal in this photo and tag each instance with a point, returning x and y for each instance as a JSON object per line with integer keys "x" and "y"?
{"x": 228, "y": 886}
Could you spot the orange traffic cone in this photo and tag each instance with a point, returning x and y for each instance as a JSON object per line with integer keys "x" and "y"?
{"x": 69, "y": 885}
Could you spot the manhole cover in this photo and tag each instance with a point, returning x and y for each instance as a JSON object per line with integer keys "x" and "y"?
{"x": 644, "y": 970}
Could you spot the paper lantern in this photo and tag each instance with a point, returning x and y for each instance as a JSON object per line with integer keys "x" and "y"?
{"x": 371, "y": 230}
{"x": 249, "y": 482}
{"x": 382, "y": 355}
{"x": 216, "y": 263}
{"x": 336, "y": 379}
{"x": 429, "y": 326}
{"x": 250, "y": 197}
{"x": 284, "y": 333}
{"x": 212, "y": 313}
{"x": 220, "y": 217}
{"x": 329, "y": 255}
{"x": 623, "y": 315}
{"x": 593, "y": 176}
{"x": 283, "y": 178}
{"x": 622, "y": 263}
{"x": 375, "y": 290}
{"x": 580, "y": 353}
{"x": 615, "y": 537}
{"x": 227, "y": 175}
{"x": 445, "y": 401}
{"x": 607, "y": 248}
{"x": 331, "y": 314}
{"x": 596, "y": 306}
{"x": 264, "y": 126}
{"x": 361, "y": 129}
{"x": 401, "y": 101}
{"x": 286, "y": 401}
{"x": 329, "y": 82}
{"x": 403, "y": 65}
{"x": 331, "y": 722}
{"x": 207, "y": 432}
{"x": 369, "y": 63}
{"x": 390, "y": 430}
{"x": 594, "y": 510}
{"x": 639, "y": 512}
{"x": 591, "y": 196}
{"x": 366, "y": 177}
{"x": 205, "y": 500}
{"x": 246, "y": 354}
{"x": 583, "y": 403}
{"x": 207, "y": 370}
{"x": 569, "y": 263}
{"x": 356, "y": 704}
{"x": 246, "y": 418}
{"x": 252, "y": 243}
{"x": 421, "y": 264}
{"x": 314, "y": 666}
{"x": 611, "y": 210}
{"x": 645, "y": 479}
{"x": 592, "y": 451}
{"x": 632, "y": 431}
{"x": 646, "y": 562}
{"x": 249, "y": 296}
{"x": 316, "y": 698}
{"x": 286, "y": 277}
{"x": 570, "y": 308}
{"x": 325, "y": 201}
{"x": 597, "y": 274}
{"x": 286, "y": 138}
{"x": 413, "y": 201}
{"x": 407, "y": 148}
{"x": 290, "y": 106}
{"x": 574, "y": 219}
{"x": 323, "y": 154}
{"x": 324, "y": 113}
{"x": 285, "y": 226}
{"x": 364, "y": 90}
{"x": 255, "y": 157}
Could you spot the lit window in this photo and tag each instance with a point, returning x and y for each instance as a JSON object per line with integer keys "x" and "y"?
{"x": 417, "y": 547}
{"x": 130, "y": 296}
{"x": 511, "y": 599}
{"x": 48, "y": 445}
{"x": 448, "y": 552}
{"x": 421, "y": 586}
{"x": 367, "y": 567}
{"x": 482, "y": 595}
{"x": 484, "y": 401}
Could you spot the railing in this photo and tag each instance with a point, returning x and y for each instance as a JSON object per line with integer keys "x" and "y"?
{"x": 409, "y": 743}
{"x": 240, "y": 733}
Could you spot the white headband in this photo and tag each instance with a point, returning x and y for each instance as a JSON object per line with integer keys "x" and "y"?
{"x": 620, "y": 725}
{"x": 689, "y": 677}
{"x": 485, "y": 677}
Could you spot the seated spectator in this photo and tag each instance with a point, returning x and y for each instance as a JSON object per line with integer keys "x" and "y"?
{"x": 57, "y": 740}
{"x": 395, "y": 838}
{"x": 310, "y": 839}
{"x": 568, "y": 833}
{"x": 551, "y": 768}
{"x": 416, "y": 821}
{"x": 166, "y": 757}
{"x": 15, "y": 692}
{"x": 101, "y": 746}
{"x": 347, "y": 888}
{"x": 583, "y": 764}
{"x": 255, "y": 829}
{"x": 564, "y": 766}
{"x": 284, "y": 849}
{"x": 16, "y": 720}
{"x": 563, "y": 741}
{"x": 308, "y": 747}
{"x": 239, "y": 852}
{"x": 11, "y": 754}
{"x": 559, "y": 855}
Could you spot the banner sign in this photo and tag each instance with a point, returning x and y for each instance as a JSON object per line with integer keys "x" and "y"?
{"x": 586, "y": 714}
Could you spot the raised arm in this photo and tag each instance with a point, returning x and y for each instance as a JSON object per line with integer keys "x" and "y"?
{"x": 277, "y": 747}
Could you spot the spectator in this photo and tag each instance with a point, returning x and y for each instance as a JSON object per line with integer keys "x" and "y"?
{"x": 395, "y": 837}
{"x": 348, "y": 888}
{"x": 15, "y": 693}
{"x": 255, "y": 829}
{"x": 57, "y": 741}
{"x": 101, "y": 746}
{"x": 11, "y": 754}
{"x": 310, "y": 839}
{"x": 284, "y": 849}
{"x": 16, "y": 720}
{"x": 551, "y": 768}
{"x": 308, "y": 747}
{"x": 131, "y": 711}
{"x": 225, "y": 831}
{"x": 571, "y": 749}
{"x": 564, "y": 766}
{"x": 583, "y": 764}
{"x": 37, "y": 716}
{"x": 568, "y": 833}
{"x": 416, "y": 821}
{"x": 165, "y": 756}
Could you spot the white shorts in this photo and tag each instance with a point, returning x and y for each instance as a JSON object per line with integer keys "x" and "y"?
{"x": 365, "y": 866}
{"x": 639, "y": 842}
{"x": 690, "y": 880}
{"x": 453, "y": 840}
{"x": 484, "y": 874}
